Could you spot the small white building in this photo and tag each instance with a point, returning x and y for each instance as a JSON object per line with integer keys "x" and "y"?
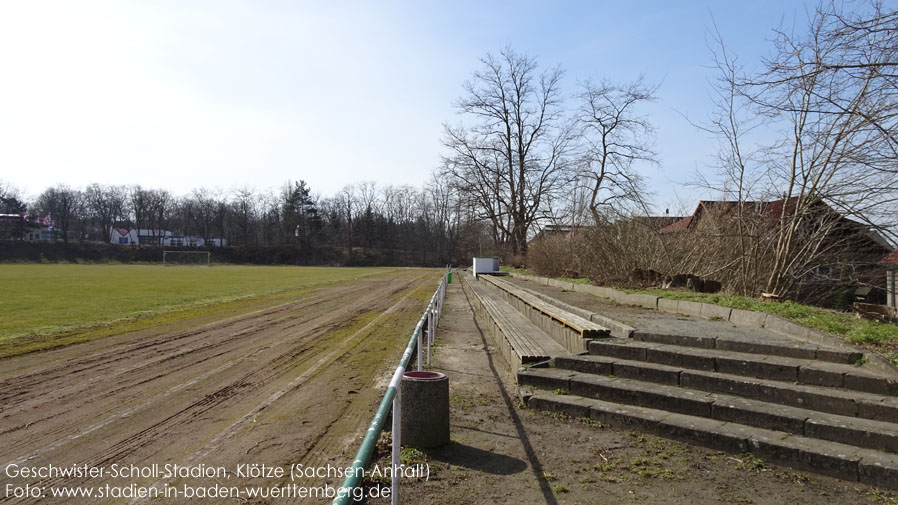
{"x": 17, "y": 227}
{"x": 36, "y": 232}
{"x": 165, "y": 238}
{"x": 132, "y": 236}
{"x": 486, "y": 265}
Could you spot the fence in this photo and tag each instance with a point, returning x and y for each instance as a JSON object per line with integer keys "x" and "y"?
{"x": 420, "y": 338}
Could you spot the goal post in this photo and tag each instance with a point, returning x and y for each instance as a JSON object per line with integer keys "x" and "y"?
{"x": 186, "y": 258}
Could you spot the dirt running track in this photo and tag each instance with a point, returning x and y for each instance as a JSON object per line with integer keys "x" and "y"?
{"x": 291, "y": 383}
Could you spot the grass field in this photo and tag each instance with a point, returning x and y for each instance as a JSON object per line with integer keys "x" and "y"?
{"x": 46, "y": 300}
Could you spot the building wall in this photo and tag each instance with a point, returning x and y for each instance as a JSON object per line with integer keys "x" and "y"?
{"x": 165, "y": 238}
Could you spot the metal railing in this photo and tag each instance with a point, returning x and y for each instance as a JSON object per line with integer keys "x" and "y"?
{"x": 424, "y": 334}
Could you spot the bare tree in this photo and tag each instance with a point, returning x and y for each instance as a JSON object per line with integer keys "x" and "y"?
{"x": 367, "y": 198}
{"x": 440, "y": 196}
{"x": 161, "y": 205}
{"x": 736, "y": 251}
{"x": 405, "y": 205}
{"x": 202, "y": 213}
{"x": 7, "y": 190}
{"x": 106, "y": 205}
{"x": 830, "y": 92}
{"x": 616, "y": 139}
{"x": 244, "y": 208}
{"x": 272, "y": 229}
{"x": 346, "y": 203}
{"x": 64, "y": 205}
{"x": 514, "y": 152}
{"x": 140, "y": 201}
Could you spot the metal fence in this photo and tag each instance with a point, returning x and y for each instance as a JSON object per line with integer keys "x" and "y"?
{"x": 422, "y": 337}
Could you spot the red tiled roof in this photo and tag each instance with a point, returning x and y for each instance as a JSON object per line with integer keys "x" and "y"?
{"x": 775, "y": 208}
{"x": 680, "y": 225}
{"x": 769, "y": 210}
{"x": 892, "y": 257}
{"x": 683, "y": 224}
{"x": 657, "y": 222}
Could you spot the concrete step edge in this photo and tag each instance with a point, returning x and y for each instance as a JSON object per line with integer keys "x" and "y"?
{"x": 827, "y": 458}
{"x": 706, "y": 380}
{"x": 879, "y": 433}
{"x": 802, "y": 371}
{"x": 798, "y": 350}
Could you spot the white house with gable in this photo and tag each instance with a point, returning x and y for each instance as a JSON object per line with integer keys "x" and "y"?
{"x": 165, "y": 238}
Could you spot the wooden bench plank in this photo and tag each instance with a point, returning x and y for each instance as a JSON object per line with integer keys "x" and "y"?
{"x": 527, "y": 342}
{"x": 510, "y": 328}
{"x": 587, "y": 329}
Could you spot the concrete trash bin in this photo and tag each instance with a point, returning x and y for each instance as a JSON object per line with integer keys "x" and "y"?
{"x": 425, "y": 409}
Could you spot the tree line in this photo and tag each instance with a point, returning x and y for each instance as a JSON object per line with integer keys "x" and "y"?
{"x": 432, "y": 224}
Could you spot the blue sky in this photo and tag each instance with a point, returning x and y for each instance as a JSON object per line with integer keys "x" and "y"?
{"x": 181, "y": 95}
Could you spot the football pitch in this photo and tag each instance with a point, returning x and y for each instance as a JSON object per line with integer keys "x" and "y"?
{"x": 233, "y": 366}
{"x": 49, "y": 302}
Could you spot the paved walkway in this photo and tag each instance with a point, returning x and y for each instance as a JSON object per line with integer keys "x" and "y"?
{"x": 487, "y": 432}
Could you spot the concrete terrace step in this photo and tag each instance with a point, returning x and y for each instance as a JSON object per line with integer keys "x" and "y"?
{"x": 802, "y": 371}
{"x": 871, "y": 434}
{"x": 810, "y": 454}
{"x": 518, "y": 339}
{"x": 568, "y": 329}
{"x": 784, "y": 348}
{"x": 819, "y": 398}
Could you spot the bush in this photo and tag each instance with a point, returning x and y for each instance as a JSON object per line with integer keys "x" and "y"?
{"x": 552, "y": 256}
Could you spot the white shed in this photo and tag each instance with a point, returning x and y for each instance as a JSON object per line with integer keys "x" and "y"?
{"x": 486, "y": 265}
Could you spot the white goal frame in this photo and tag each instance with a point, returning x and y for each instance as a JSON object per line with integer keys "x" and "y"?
{"x": 167, "y": 263}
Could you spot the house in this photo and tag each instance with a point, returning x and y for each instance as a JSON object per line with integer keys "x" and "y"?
{"x": 132, "y": 236}
{"x": 39, "y": 232}
{"x": 16, "y": 227}
{"x": 165, "y": 238}
{"x": 846, "y": 253}
{"x": 720, "y": 216}
{"x": 714, "y": 214}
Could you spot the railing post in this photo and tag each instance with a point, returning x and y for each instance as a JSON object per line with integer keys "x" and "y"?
{"x": 420, "y": 344}
{"x": 439, "y": 305}
{"x": 429, "y": 333}
{"x": 397, "y": 443}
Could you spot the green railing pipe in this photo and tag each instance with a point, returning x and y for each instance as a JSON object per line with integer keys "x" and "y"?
{"x": 348, "y": 491}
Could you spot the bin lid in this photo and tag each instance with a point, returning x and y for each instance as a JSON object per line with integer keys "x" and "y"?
{"x": 423, "y": 376}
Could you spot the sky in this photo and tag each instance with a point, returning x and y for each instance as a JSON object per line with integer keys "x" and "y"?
{"x": 219, "y": 94}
